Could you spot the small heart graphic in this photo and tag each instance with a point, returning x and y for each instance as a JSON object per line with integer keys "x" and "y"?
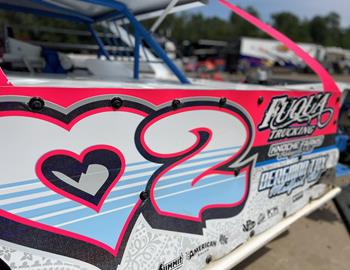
{"x": 87, "y": 178}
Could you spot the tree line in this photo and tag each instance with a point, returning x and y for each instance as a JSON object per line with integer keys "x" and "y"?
{"x": 324, "y": 30}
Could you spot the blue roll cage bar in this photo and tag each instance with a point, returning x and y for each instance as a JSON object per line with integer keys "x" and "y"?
{"x": 120, "y": 11}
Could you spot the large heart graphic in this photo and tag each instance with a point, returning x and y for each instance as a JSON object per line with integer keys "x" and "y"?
{"x": 87, "y": 178}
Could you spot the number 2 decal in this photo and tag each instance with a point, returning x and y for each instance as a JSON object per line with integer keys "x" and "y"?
{"x": 201, "y": 158}
{"x": 192, "y": 161}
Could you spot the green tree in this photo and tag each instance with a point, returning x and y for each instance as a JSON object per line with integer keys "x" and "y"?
{"x": 334, "y": 31}
{"x": 318, "y": 30}
{"x": 290, "y": 25}
{"x": 240, "y": 27}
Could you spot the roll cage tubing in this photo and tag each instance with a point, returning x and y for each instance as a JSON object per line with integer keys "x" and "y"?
{"x": 140, "y": 32}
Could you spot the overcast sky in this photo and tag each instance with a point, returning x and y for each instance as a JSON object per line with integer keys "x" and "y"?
{"x": 303, "y": 8}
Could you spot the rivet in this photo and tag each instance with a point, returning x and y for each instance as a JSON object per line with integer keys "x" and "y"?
{"x": 208, "y": 259}
{"x": 222, "y": 101}
{"x": 284, "y": 214}
{"x": 144, "y": 195}
{"x": 176, "y": 104}
{"x": 252, "y": 233}
{"x": 36, "y": 104}
{"x": 116, "y": 102}
{"x": 260, "y": 100}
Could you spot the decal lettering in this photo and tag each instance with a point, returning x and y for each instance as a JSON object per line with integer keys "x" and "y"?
{"x": 261, "y": 218}
{"x": 287, "y": 178}
{"x": 173, "y": 265}
{"x": 298, "y": 196}
{"x": 249, "y": 225}
{"x": 272, "y": 212}
{"x": 296, "y": 147}
{"x": 201, "y": 249}
{"x": 295, "y": 117}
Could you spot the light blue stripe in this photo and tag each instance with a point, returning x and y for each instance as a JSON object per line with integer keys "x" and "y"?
{"x": 87, "y": 212}
{"x": 22, "y": 193}
{"x": 187, "y": 185}
{"x": 70, "y": 204}
{"x": 33, "y": 181}
{"x": 113, "y": 205}
{"x": 25, "y": 182}
{"x": 11, "y": 206}
{"x": 187, "y": 162}
{"x": 191, "y": 201}
{"x": 204, "y": 152}
{"x": 115, "y": 193}
{"x": 129, "y": 181}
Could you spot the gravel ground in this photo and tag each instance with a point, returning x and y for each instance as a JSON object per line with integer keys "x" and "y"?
{"x": 319, "y": 241}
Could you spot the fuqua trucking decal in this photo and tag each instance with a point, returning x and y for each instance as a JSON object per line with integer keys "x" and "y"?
{"x": 296, "y": 117}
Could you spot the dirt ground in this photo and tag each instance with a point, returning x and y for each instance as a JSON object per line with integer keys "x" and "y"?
{"x": 317, "y": 242}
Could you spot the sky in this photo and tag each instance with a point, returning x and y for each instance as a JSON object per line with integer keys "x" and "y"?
{"x": 303, "y": 8}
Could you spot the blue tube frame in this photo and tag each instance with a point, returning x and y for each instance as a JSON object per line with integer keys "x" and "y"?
{"x": 137, "y": 55}
{"x": 121, "y": 11}
{"x": 99, "y": 42}
{"x": 121, "y": 8}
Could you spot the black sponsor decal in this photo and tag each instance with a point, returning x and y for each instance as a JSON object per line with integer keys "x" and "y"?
{"x": 295, "y": 117}
{"x": 249, "y": 225}
{"x": 287, "y": 178}
{"x": 177, "y": 263}
{"x": 272, "y": 212}
{"x": 200, "y": 249}
{"x": 261, "y": 218}
{"x": 223, "y": 239}
{"x": 298, "y": 196}
{"x": 296, "y": 147}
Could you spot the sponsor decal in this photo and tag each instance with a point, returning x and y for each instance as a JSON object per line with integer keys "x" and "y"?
{"x": 249, "y": 225}
{"x": 288, "y": 117}
{"x": 172, "y": 265}
{"x": 272, "y": 212}
{"x": 298, "y": 196}
{"x": 261, "y": 218}
{"x": 287, "y": 178}
{"x": 223, "y": 239}
{"x": 201, "y": 249}
{"x": 296, "y": 147}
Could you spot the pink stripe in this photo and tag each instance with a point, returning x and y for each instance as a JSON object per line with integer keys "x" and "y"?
{"x": 3, "y": 79}
{"x": 327, "y": 80}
